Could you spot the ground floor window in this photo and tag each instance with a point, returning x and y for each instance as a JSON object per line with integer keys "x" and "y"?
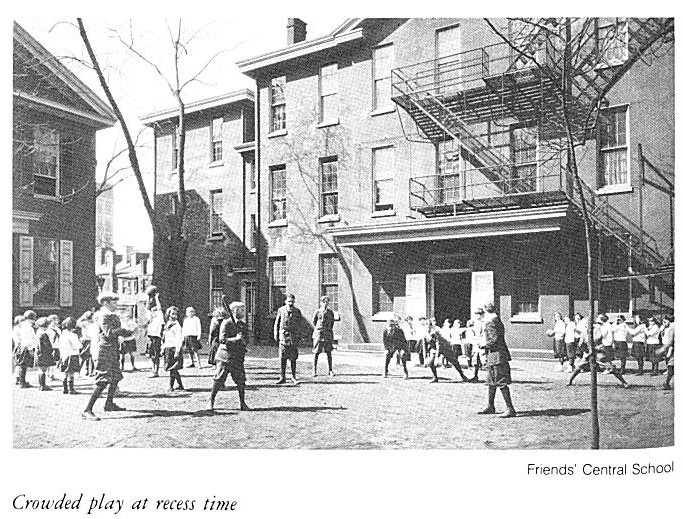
{"x": 215, "y": 286}
{"x": 615, "y": 297}
{"x": 45, "y": 272}
{"x": 525, "y": 291}
{"x": 384, "y": 292}
{"x": 329, "y": 284}
{"x": 278, "y": 282}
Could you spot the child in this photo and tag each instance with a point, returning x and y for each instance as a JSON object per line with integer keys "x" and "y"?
{"x": 129, "y": 345}
{"x": 652, "y": 344}
{"x": 173, "y": 348}
{"x": 394, "y": 343}
{"x": 87, "y": 328}
{"x": 54, "y": 331}
{"x": 217, "y": 318}
{"x": 155, "y": 330}
{"x": 473, "y": 342}
{"x": 668, "y": 337}
{"x": 44, "y": 356}
{"x": 16, "y": 347}
{"x": 27, "y": 340}
{"x": 557, "y": 333}
{"x": 620, "y": 344}
{"x": 192, "y": 331}
{"x": 69, "y": 354}
{"x": 570, "y": 342}
{"x": 638, "y": 347}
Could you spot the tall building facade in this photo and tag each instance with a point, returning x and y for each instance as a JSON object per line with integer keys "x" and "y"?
{"x": 55, "y": 119}
{"x": 417, "y": 167}
{"x": 220, "y": 184}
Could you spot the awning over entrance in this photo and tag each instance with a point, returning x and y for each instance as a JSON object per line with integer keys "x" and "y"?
{"x": 494, "y": 223}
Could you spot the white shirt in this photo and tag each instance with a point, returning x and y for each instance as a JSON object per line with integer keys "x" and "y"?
{"x": 619, "y": 331}
{"x": 638, "y": 333}
{"x": 192, "y": 326}
{"x": 455, "y": 334}
{"x": 652, "y": 334}
{"x": 27, "y": 335}
{"x": 408, "y": 331}
{"x": 569, "y": 332}
{"x": 156, "y": 322}
{"x": 558, "y": 330}
{"x": 607, "y": 334}
{"x": 173, "y": 336}
{"x": 68, "y": 344}
{"x": 668, "y": 335}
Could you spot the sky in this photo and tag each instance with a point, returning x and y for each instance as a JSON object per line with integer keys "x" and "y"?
{"x": 139, "y": 90}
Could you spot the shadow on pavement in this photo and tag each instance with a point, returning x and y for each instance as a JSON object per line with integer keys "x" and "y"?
{"x": 167, "y": 413}
{"x": 175, "y": 394}
{"x": 299, "y": 409}
{"x": 552, "y": 412}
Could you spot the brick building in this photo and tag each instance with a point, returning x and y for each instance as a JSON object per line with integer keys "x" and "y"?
{"x": 55, "y": 119}
{"x": 416, "y": 166}
{"x": 220, "y": 186}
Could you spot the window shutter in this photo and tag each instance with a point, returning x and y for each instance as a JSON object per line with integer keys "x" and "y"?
{"x": 25, "y": 271}
{"x": 65, "y": 273}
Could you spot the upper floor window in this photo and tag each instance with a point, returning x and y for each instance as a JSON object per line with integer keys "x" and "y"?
{"x": 523, "y": 147}
{"x": 277, "y": 104}
{"x": 175, "y": 152}
{"x": 329, "y": 191}
{"x": 46, "y": 162}
{"x": 613, "y": 147}
{"x": 382, "y": 64}
{"x": 383, "y": 178}
{"x": 278, "y": 193}
{"x": 216, "y": 219}
{"x": 253, "y": 231}
{"x": 612, "y": 44}
{"x": 250, "y": 170}
{"x": 329, "y": 90}
{"x": 216, "y": 139}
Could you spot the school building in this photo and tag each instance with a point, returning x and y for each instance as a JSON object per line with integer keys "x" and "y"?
{"x": 55, "y": 120}
{"x": 418, "y": 167}
{"x": 220, "y": 183}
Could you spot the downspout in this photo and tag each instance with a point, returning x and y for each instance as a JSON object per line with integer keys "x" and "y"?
{"x": 257, "y": 259}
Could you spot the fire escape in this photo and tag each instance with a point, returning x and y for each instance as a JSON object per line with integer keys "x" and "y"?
{"x": 479, "y": 98}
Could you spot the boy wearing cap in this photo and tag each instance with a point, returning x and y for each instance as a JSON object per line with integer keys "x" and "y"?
{"x": 107, "y": 366}
{"x": 230, "y": 355}
{"x": 323, "y": 336}
{"x": 287, "y": 330}
{"x": 25, "y": 351}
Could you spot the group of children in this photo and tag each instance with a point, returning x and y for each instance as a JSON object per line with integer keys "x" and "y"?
{"x": 614, "y": 342}
{"x": 435, "y": 344}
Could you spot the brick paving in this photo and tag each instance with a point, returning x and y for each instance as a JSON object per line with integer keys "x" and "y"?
{"x": 358, "y": 409}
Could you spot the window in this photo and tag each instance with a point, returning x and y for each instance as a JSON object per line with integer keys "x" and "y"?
{"x": 278, "y": 282}
{"x": 215, "y": 286}
{"x": 175, "y": 138}
{"x": 277, "y": 104}
{"x": 329, "y": 194}
{"x": 216, "y": 140}
{"x": 329, "y": 284}
{"x": 383, "y": 295}
{"x": 250, "y": 169}
{"x": 524, "y": 166}
{"x": 46, "y": 162}
{"x": 612, "y": 36}
{"x": 45, "y": 272}
{"x": 329, "y": 90}
{"x": 525, "y": 286}
{"x": 383, "y": 175}
{"x": 278, "y": 193}
{"x": 615, "y": 297}
{"x": 528, "y": 38}
{"x": 173, "y": 203}
{"x": 448, "y": 64}
{"x": 253, "y": 231}
{"x": 216, "y": 219}
{"x": 382, "y": 64}
{"x": 129, "y": 286}
{"x": 613, "y": 148}
{"x": 448, "y": 171}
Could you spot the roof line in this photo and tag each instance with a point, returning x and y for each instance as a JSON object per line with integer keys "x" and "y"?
{"x": 55, "y": 66}
{"x": 236, "y": 96}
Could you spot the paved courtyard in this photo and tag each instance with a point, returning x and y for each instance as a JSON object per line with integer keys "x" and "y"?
{"x": 357, "y": 409}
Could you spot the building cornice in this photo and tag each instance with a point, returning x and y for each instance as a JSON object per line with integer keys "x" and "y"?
{"x": 69, "y": 111}
{"x": 198, "y": 106}
{"x": 105, "y": 115}
{"x": 252, "y": 65}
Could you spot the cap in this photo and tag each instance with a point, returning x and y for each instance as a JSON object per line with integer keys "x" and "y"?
{"x": 479, "y": 311}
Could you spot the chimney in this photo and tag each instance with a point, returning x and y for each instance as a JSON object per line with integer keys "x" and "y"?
{"x": 296, "y": 30}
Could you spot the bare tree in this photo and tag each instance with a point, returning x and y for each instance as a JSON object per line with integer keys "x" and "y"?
{"x": 564, "y": 52}
{"x": 170, "y": 243}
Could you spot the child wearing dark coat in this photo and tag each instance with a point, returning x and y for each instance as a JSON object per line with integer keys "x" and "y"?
{"x": 44, "y": 355}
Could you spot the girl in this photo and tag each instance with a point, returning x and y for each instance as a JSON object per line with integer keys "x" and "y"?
{"x": 27, "y": 342}
{"x": 173, "y": 348}
{"x": 44, "y": 356}
{"x": 652, "y": 344}
{"x": 581, "y": 333}
{"x": 88, "y": 333}
{"x": 214, "y": 333}
{"x": 155, "y": 330}
{"x": 668, "y": 338}
{"x": 570, "y": 342}
{"x": 69, "y": 354}
{"x": 394, "y": 342}
{"x": 129, "y": 345}
{"x": 16, "y": 347}
{"x": 457, "y": 332}
{"x": 620, "y": 344}
{"x": 473, "y": 341}
{"x": 638, "y": 347}
{"x": 54, "y": 331}
{"x": 192, "y": 331}
{"x": 557, "y": 333}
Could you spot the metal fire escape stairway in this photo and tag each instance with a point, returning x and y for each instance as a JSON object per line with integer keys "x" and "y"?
{"x": 523, "y": 91}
